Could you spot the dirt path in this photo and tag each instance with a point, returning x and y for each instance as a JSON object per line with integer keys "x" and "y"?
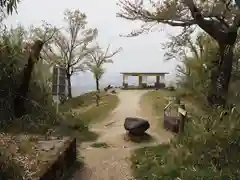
{"x": 113, "y": 163}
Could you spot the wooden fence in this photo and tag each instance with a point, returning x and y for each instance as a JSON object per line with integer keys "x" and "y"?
{"x": 174, "y": 116}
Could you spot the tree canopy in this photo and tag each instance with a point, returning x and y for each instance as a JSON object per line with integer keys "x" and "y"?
{"x": 215, "y": 17}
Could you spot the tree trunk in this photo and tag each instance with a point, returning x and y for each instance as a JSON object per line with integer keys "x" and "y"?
{"x": 221, "y": 73}
{"x": 69, "y": 86}
{"x": 21, "y": 95}
{"x": 220, "y": 76}
{"x": 97, "y": 84}
{"x": 97, "y": 99}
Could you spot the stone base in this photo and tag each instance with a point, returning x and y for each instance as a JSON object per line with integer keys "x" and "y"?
{"x": 64, "y": 159}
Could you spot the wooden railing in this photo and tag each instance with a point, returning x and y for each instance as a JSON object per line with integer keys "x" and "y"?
{"x": 174, "y": 116}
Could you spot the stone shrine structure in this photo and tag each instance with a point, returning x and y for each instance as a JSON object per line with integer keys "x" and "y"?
{"x": 142, "y": 79}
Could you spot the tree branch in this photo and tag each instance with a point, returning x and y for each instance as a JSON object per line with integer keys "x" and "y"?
{"x": 216, "y": 27}
{"x": 193, "y": 48}
{"x": 112, "y": 54}
{"x": 213, "y": 28}
{"x": 134, "y": 12}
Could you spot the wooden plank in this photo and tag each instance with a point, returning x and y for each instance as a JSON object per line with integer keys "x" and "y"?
{"x": 182, "y": 111}
{"x": 169, "y": 104}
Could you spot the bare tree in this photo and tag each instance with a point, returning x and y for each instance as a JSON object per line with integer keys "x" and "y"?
{"x": 214, "y": 17}
{"x": 97, "y": 59}
{"x": 70, "y": 45}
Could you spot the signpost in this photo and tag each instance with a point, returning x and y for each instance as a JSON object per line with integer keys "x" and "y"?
{"x": 183, "y": 113}
{"x": 58, "y": 83}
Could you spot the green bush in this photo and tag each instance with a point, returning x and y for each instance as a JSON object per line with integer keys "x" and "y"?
{"x": 38, "y": 103}
{"x": 40, "y": 113}
{"x": 72, "y": 121}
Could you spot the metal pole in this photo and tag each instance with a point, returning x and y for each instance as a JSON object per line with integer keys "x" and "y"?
{"x": 58, "y": 71}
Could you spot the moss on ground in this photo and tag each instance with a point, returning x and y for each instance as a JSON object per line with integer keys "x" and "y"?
{"x": 100, "y": 145}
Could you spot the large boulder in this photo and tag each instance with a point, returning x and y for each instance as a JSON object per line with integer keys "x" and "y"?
{"x": 136, "y": 126}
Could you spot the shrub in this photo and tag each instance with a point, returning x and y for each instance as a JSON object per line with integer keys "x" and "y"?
{"x": 9, "y": 168}
{"x": 207, "y": 150}
{"x": 40, "y": 112}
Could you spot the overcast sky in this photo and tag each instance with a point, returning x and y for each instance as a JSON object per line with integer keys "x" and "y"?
{"x": 142, "y": 53}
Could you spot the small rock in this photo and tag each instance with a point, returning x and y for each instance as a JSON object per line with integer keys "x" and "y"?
{"x": 113, "y": 92}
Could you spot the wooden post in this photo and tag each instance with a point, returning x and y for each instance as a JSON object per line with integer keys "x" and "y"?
{"x": 97, "y": 98}
{"x": 177, "y": 100}
{"x": 157, "y": 82}
{"x": 182, "y": 114}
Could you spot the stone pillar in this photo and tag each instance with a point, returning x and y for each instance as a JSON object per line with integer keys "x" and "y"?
{"x": 125, "y": 83}
{"x": 162, "y": 80}
{"x": 144, "y": 84}
{"x": 140, "y": 81}
{"x": 157, "y": 81}
{"x": 146, "y": 79}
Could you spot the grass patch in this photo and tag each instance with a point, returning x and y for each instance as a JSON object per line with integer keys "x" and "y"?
{"x": 100, "y": 145}
{"x": 83, "y": 100}
{"x": 146, "y": 162}
{"x": 81, "y": 135}
{"x": 154, "y": 103}
{"x": 80, "y": 111}
{"x": 94, "y": 113}
{"x": 138, "y": 139}
{"x": 156, "y": 100}
{"x": 73, "y": 125}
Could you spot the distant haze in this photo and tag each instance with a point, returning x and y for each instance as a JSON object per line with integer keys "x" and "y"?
{"x": 85, "y": 82}
{"x": 142, "y": 54}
